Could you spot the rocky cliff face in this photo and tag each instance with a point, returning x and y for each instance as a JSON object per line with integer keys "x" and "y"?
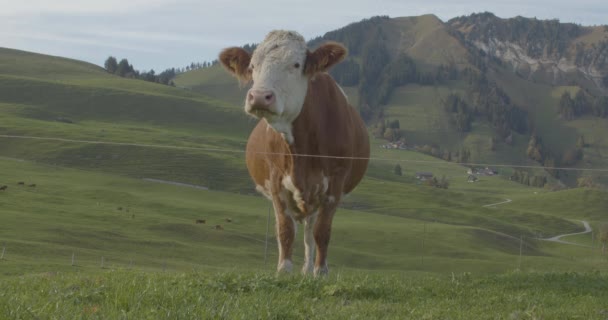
{"x": 545, "y": 51}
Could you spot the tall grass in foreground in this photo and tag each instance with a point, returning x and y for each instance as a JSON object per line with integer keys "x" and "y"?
{"x": 233, "y": 295}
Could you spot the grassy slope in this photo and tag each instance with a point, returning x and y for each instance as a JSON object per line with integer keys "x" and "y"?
{"x": 232, "y": 295}
{"x": 103, "y": 107}
{"x": 542, "y": 103}
{"x": 75, "y": 211}
{"x": 46, "y": 223}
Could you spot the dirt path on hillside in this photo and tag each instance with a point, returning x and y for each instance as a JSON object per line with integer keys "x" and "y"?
{"x": 559, "y": 240}
{"x": 173, "y": 183}
{"x": 495, "y": 204}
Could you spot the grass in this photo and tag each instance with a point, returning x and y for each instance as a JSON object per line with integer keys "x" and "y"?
{"x": 236, "y": 295}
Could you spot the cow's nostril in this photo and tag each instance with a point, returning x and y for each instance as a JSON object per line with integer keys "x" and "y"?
{"x": 269, "y": 97}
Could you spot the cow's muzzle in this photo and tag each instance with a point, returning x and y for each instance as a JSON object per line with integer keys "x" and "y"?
{"x": 260, "y": 102}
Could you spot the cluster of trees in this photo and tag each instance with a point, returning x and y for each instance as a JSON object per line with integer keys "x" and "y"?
{"x": 459, "y": 110}
{"x": 397, "y": 170}
{"x": 583, "y": 103}
{"x": 347, "y": 72}
{"x": 539, "y": 153}
{"x": 490, "y": 101}
{"x": 126, "y": 70}
{"x": 462, "y": 156}
{"x": 196, "y": 66}
{"x": 379, "y": 77}
{"x": 442, "y": 183}
{"x": 536, "y": 149}
{"x": 525, "y": 178}
{"x": 484, "y": 98}
{"x": 587, "y": 182}
{"x": 388, "y": 129}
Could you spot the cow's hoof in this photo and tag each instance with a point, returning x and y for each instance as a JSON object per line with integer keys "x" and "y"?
{"x": 321, "y": 271}
{"x": 285, "y": 266}
{"x": 307, "y": 269}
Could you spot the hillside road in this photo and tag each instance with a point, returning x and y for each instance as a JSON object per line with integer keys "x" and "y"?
{"x": 559, "y": 240}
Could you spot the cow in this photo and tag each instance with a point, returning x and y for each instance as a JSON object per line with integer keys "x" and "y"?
{"x": 309, "y": 148}
{"x": 200, "y": 221}
{"x": 3, "y": 188}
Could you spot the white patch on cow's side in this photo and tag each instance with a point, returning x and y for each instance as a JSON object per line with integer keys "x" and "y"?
{"x": 274, "y": 68}
{"x": 309, "y": 244}
{"x": 264, "y": 190}
{"x": 291, "y": 187}
{"x": 325, "y": 184}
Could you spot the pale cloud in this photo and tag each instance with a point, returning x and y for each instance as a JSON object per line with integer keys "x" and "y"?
{"x": 166, "y": 33}
{"x": 10, "y": 7}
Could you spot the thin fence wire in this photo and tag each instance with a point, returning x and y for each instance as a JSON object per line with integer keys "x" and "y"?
{"x": 223, "y": 150}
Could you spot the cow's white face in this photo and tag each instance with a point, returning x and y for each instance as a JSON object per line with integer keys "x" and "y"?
{"x": 276, "y": 69}
{"x": 279, "y": 68}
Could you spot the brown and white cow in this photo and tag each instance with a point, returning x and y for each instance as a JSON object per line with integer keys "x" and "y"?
{"x": 310, "y": 146}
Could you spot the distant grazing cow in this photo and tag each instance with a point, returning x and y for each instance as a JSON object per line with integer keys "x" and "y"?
{"x": 33, "y": 185}
{"x": 310, "y": 146}
{"x": 228, "y": 220}
{"x": 200, "y": 221}
{"x": 21, "y": 183}
{"x": 3, "y": 188}
{"x": 218, "y": 227}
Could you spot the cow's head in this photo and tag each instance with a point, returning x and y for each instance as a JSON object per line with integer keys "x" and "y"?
{"x": 279, "y": 68}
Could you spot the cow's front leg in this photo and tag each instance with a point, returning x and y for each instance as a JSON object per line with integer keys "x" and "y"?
{"x": 286, "y": 231}
{"x": 309, "y": 244}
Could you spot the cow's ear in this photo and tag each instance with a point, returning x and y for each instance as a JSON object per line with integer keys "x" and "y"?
{"x": 324, "y": 57}
{"x": 236, "y": 61}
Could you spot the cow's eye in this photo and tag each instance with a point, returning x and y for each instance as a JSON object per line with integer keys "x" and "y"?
{"x": 297, "y": 65}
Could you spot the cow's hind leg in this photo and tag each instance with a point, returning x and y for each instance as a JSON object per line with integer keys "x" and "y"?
{"x": 286, "y": 231}
{"x": 322, "y": 229}
{"x": 322, "y": 234}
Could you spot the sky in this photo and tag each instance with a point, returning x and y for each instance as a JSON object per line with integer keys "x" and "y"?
{"x": 160, "y": 34}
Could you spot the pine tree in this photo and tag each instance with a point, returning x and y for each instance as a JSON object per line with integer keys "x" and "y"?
{"x": 397, "y": 170}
